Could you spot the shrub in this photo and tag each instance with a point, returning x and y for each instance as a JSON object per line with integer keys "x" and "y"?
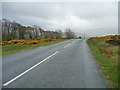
{"x": 32, "y": 41}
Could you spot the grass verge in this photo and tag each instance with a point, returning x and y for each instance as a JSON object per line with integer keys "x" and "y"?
{"x": 9, "y": 49}
{"x": 107, "y": 58}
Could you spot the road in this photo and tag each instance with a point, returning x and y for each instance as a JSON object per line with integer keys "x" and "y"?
{"x": 68, "y": 64}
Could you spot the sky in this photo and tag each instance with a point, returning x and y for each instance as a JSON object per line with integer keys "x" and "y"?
{"x": 89, "y": 17}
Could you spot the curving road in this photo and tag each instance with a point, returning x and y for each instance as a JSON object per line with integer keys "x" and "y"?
{"x": 68, "y": 64}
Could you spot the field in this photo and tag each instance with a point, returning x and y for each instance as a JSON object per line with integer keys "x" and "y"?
{"x": 105, "y": 50}
{"x": 13, "y": 46}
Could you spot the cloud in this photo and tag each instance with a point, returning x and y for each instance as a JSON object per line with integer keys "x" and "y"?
{"x": 92, "y": 18}
{"x": 60, "y": 0}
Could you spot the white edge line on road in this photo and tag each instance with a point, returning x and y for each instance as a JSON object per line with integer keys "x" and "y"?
{"x": 29, "y": 69}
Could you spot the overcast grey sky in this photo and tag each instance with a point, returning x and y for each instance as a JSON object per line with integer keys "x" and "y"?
{"x": 92, "y": 18}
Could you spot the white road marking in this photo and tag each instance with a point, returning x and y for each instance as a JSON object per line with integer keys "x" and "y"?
{"x": 29, "y": 69}
{"x": 73, "y": 42}
{"x": 67, "y": 45}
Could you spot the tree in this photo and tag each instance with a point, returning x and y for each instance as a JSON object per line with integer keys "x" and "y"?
{"x": 5, "y": 29}
{"x": 69, "y": 34}
{"x": 60, "y": 33}
{"x": 13, "y": 30}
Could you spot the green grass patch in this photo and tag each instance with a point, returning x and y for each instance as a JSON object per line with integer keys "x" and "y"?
{"x": 9, "y": 49}
{"x": 107, "y": 58}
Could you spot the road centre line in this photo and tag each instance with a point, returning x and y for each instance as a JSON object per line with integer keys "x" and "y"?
{"x": 67, "y": 45}
{"x": 10, "y": 81}
{"x": 73, "y": 42}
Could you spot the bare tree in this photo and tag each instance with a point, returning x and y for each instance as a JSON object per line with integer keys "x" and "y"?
{"x": 69, "y": 34}
{"x": 14, "y": 30}
{"x": 60, "y": 33}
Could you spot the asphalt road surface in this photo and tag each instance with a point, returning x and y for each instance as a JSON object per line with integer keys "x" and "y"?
{"x": 68, "y": 64}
